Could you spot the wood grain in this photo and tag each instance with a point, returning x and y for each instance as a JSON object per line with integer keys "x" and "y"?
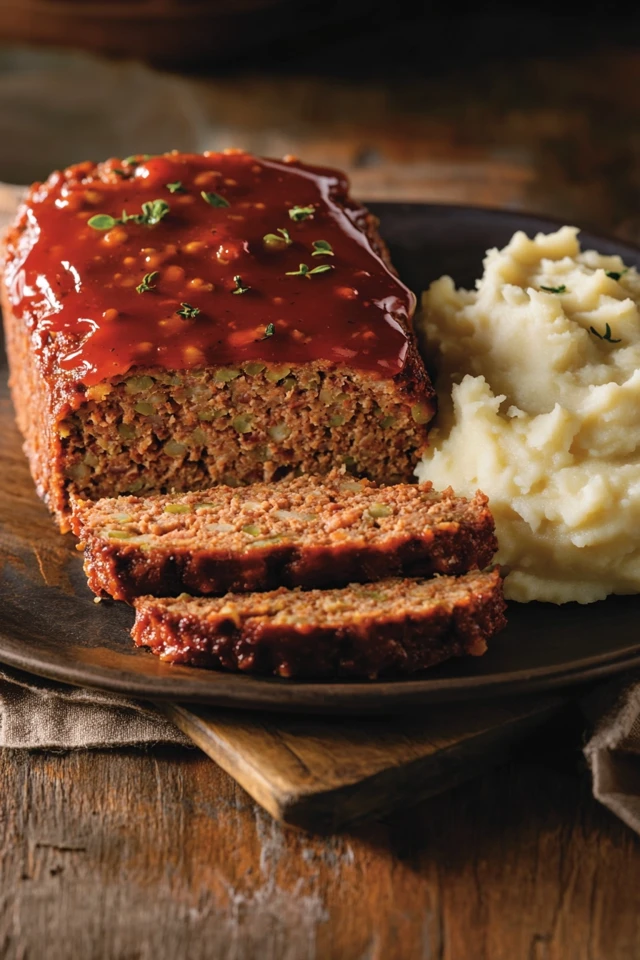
{"x": 154, "y": 856}
{"x": 325, "y": 774}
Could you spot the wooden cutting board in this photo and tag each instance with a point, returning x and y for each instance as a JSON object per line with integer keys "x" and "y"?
{"x": 323, "y": 774}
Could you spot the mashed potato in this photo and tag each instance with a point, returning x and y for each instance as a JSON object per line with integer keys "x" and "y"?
{"x": 538, "y": 378}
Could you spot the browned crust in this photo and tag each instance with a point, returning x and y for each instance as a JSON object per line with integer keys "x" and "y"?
{"x": 402, "y": 646}
{"x": 124, "y": 571}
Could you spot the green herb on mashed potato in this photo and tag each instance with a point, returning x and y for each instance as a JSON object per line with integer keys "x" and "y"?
{"x": 604, "y": 336}
{"x": 560, "y": 289}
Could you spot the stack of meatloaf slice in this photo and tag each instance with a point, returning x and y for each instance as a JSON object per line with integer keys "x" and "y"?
{"x": 306, "y": 577}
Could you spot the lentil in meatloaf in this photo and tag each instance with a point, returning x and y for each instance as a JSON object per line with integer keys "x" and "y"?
{"x": 182, "y": 320}
{"x": 363, "y": 631}
{"x": 306, "y": 531}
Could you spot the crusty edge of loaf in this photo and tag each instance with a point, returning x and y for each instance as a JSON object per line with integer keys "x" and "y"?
{"x": 123, "y": 571}
{"x": 403, "y": 646}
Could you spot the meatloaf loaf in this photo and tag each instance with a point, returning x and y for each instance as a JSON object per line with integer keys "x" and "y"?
{"x": 182, "y": 320}
{"x": 362, "y": 631}
{"x": 306, "y": 531}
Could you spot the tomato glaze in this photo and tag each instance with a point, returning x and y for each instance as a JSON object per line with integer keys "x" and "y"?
{"x": 220, "y": 266}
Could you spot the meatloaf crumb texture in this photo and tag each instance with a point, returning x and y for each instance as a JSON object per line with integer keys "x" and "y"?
{"x": 393, "y": 627}
{"x": 307, "y": 531}
{"x": 245, "y": 410}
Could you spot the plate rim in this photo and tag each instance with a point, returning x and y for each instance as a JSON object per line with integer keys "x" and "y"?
{"x": 338, "y": 697}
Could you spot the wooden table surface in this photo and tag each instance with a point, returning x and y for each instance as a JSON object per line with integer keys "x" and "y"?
{"x": 147, "y": 855}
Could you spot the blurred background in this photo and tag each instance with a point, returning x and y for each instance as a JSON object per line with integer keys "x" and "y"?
{"x": 533, "y": 109}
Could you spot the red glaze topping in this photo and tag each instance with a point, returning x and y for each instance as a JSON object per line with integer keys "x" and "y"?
{"x": 273, "y": 264}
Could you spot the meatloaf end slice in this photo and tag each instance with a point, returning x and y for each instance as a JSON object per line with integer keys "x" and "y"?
{"x": 363, "y": 631}
{"x": 179, "y": 321}
{"x": 306, "y": 531}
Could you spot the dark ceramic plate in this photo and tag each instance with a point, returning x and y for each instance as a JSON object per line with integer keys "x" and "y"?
{"x": 49, "y": 624}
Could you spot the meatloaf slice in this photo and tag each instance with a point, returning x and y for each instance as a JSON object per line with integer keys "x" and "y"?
{"x": 306, "y": 531}
{"x": 363, "y": 630}
{"x": 182, "y": 320}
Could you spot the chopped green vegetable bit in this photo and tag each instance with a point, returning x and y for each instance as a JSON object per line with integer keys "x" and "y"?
{"x": 148, "y": 282}
{"x": 224, "y": 374}
{"x": 242, "y": 423}
{"x": 187, "y": 312}
{"x": 120, "y": 534}
{"x": 380, "y": 510}
{"x": 269, "y": 331}
{"x": 177, "y": 508}
{"x": 275, "y": 374}
{"x": 175, "y": 187}
{"x": 421, "y": 413}
{"x": 252, "y": 530}
{"x": 214, "y": 199}
{"x": 322, "y": 249}
{"x": 616, "y": 274}
{"x": 253, "y": 368}
{"x": 560, "y": 289}
{"x": 301, "y": 213}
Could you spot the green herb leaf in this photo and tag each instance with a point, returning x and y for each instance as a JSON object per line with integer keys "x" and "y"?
{"x": 616, "y": 274}
{"x": 119, "y": 173}
{"x": 153, "y": 211}
{"x": 302, "y": 271}
{"x": 148, "y": 282}
{"x": 187, "y": 312}
{"x": 301, "y": 213}
{"x": 269, "y": 331}
{"x": 136, "y": 158}
{"x": 561, "y": 289}
{"x": 214, "y": 199}
{"x": 272, "y": 239}
{"x": 323, "y": 268}
{"x": 175, "y": 187}
{"x": 322, "y": 249}
{"x": 102, "y": 221}
{"x": 606, "y": 336}
{"x": 239, "y": 287}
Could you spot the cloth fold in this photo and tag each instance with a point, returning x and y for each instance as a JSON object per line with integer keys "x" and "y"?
{"x": 41, "y": 714}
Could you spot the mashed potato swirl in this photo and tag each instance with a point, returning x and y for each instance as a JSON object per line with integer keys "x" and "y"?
{"x": 539, "y": 393}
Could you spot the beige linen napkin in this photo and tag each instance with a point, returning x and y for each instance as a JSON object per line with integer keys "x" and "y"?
{"x": 41, "y": 714}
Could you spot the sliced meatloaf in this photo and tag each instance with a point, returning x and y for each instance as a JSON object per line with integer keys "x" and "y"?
{"x": 183, "y": 320}
{"x": 363, "y": 630}
{"x": 306, "y": 531}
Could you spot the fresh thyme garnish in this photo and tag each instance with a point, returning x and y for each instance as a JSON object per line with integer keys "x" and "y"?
{"x": 239, "y": 287}
{"x": 322, "y": 249}
{"x": 136, "y": 158}
{"x": 187, "y": 312}
{"x": 304, "y": 271}
{"x": 214, "y": 199}
{"x": 148, "y": 282}
{"x": 175, "y": 187}
{"x": 607, "y": 334}
{"x": 616, "y": 274}
{"x": 152, "y": 213}
{"x": 560, "y": 289}
{"x": 102, "y": 221}
{"x": 269, "y": 331}
{"x": 272, "y": 239}
{"x": 301, "y": 213}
